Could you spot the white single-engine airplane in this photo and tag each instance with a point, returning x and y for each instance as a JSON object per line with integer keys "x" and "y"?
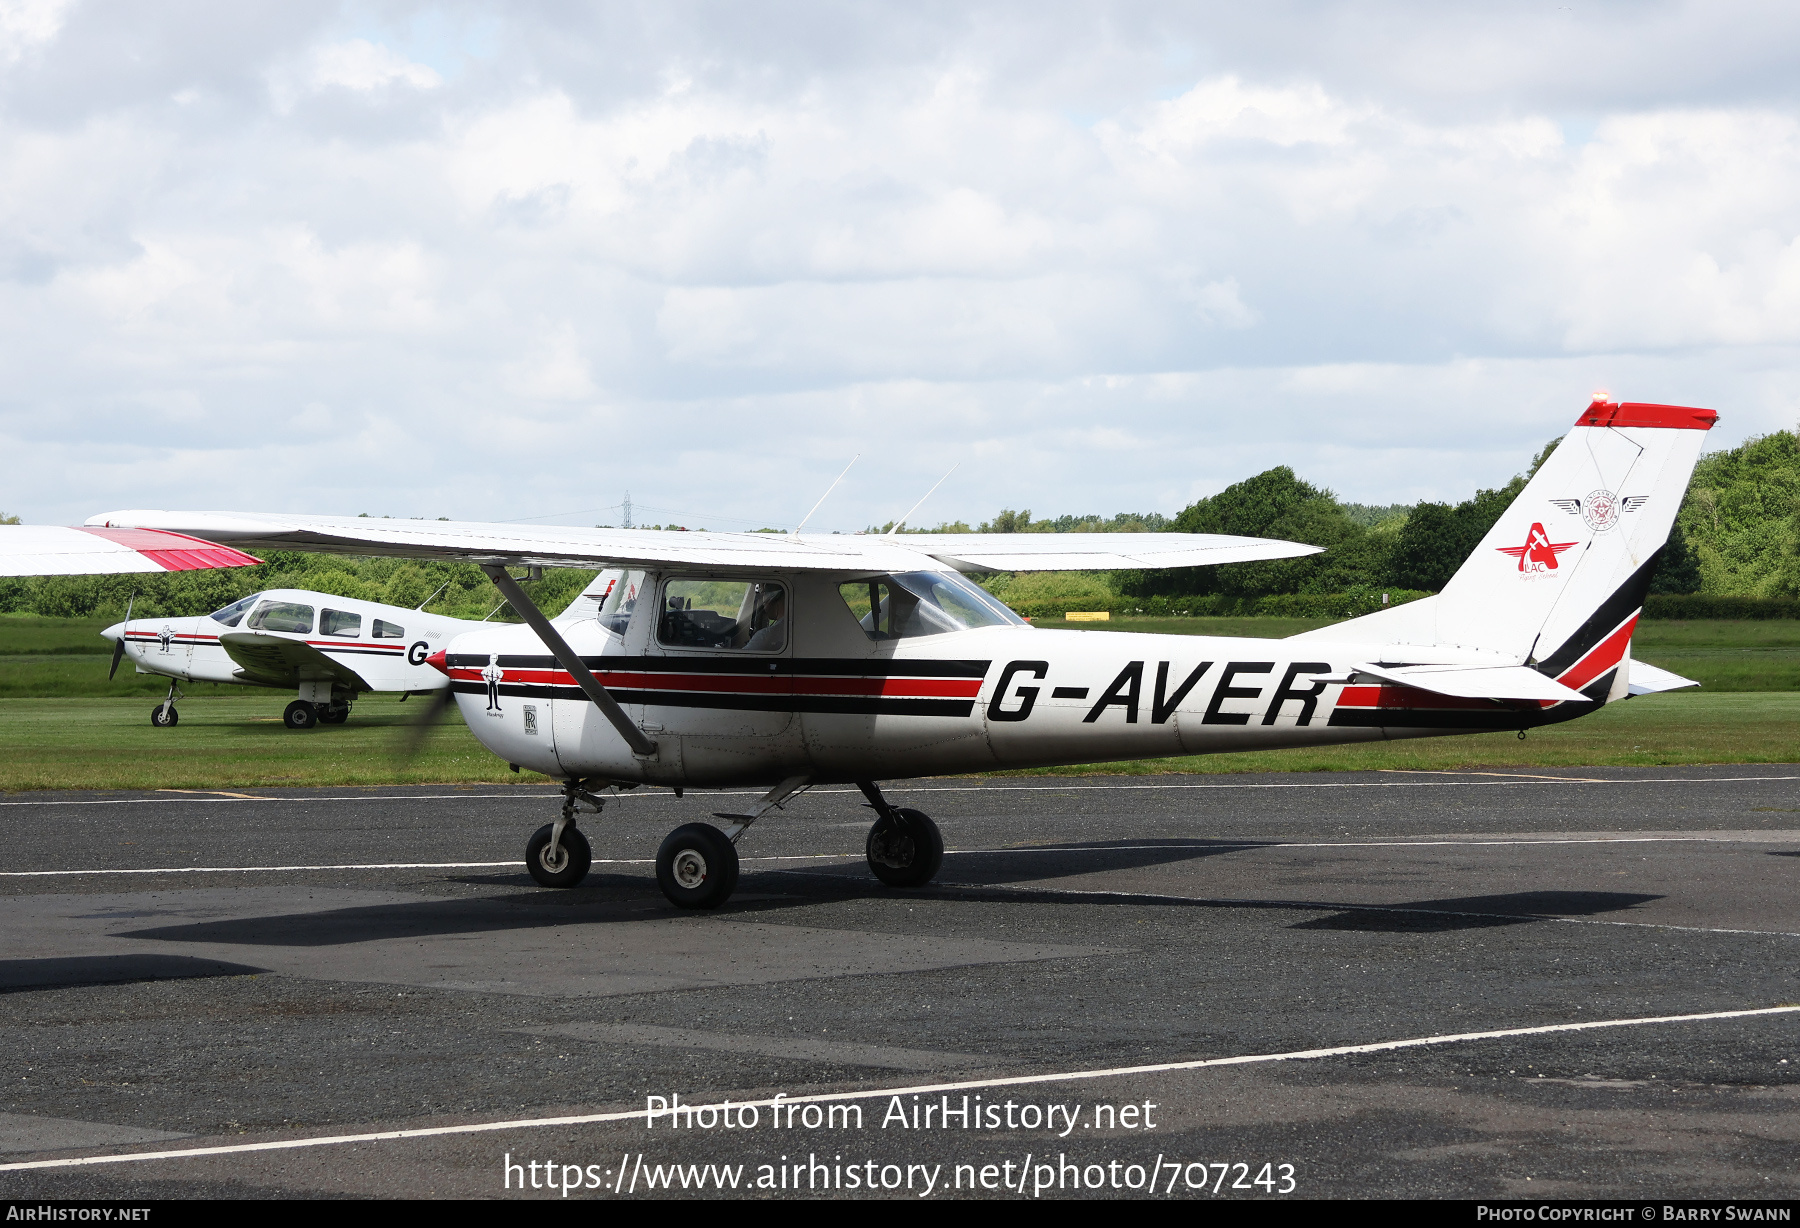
{"x": 789, "y": 662}
{"x": 328, "y": 649}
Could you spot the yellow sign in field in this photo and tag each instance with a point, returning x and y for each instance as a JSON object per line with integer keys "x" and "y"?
{"x": 1088, "y": 616}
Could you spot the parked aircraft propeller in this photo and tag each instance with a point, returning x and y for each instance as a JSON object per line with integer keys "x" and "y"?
{"x": 119, "y": 644}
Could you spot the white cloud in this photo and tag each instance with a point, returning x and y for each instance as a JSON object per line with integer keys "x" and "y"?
{"x": 26, "y": 25}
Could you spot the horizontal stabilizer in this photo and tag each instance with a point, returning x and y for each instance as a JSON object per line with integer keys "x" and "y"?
{"x": 284, "y": 662}
{"x": 1646, "y": 679}
{"x": 1476, "y": 681}
{"x": 51, "y": 550}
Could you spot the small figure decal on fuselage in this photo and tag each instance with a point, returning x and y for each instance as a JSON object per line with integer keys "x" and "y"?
{"x": 492, "y": 675}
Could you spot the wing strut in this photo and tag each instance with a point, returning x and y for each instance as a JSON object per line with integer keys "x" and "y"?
{"x": 566, "y": 657}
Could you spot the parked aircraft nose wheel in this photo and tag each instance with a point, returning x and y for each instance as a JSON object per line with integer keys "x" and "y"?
{"x": 697, "y": 866}
{"x": 564, "y": 868}
{"x": 906, "y": 852}
{"x": 164, "y": 715}
{"x": 300, "y": 715}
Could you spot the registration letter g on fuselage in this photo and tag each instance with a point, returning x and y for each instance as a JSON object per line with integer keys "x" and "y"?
{"x": 1027, "y": 694}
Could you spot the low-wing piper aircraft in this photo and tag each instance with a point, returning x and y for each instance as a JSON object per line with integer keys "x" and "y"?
{"x": 328, "y": 649}
{"x": 728, "y": 660}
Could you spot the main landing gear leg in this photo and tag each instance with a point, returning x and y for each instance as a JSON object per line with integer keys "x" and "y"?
{"x": 905, "y": 847}
{"x": 557, "y": 855}
{"x": 697, "y": 866}
{"x": 163, "y": 714}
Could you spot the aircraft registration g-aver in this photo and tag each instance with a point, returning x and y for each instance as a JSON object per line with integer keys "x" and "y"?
{"x": 720, "y": 660}
{"x": 328, "y": 649}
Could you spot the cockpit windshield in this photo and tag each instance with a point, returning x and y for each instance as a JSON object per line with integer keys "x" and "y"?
{"x": 617, "y": 593}
{"x": 234, "y": 613}
{"x": 919, "y": 603}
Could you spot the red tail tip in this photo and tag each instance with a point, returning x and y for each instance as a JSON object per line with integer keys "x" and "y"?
{"x": 436, "y": 661}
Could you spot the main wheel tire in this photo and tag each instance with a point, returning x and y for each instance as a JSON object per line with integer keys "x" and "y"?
{"x": 334, "y": 716}
{"x": 570, "y": 865}
{"x": 300, "y": 715}
{"x": 162, "y": 721}
{"x": 697, "y": 866}
{"x": 906, "y": 853}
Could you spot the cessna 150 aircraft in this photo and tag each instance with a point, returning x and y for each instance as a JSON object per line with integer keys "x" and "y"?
{"x": 722, "y": 660}
{"x": 330, "y": 649}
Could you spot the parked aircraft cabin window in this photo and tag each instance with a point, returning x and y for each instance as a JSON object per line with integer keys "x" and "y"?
{"x": 922, "y": 603}
{"x": 746, "y": 614}
{"x": 289, "y": 616}
{"x": 233, "y": 614}
{"x": 387, "y": 631}
{"x": 339, "y": 622}
{"x": 618, "y": 598}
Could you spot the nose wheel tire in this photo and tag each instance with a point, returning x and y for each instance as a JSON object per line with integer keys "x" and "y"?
{"x": 300, "y": 715}
{"x": 568, "y": 866}
{"x": 697, "y": 866}
{"x": 163, "y": 716}
{"x": 907, "y": 852}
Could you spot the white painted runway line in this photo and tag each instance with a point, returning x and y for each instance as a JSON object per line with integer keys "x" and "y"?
{"x": 1246, "y": 845}
{"x": 1445, "y": 780}
{"x": 1071, "y": 1076}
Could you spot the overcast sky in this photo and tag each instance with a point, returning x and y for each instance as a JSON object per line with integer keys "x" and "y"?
{"x": 505, "y": 261}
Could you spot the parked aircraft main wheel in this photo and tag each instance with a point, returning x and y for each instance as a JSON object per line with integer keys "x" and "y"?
{"x": 300, "y": 715}
{"x": 697, "y": 866}
{"x": 163, "y": 716}
{"x": 568, "y": 867}
{"x": 905, "y": 853}
{"x": 334, "y": 715}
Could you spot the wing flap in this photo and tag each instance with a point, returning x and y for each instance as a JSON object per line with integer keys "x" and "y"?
{"x": 1476, "y": 681}
{"x": 86, "y": 550}
{"x": 284, "y": 662}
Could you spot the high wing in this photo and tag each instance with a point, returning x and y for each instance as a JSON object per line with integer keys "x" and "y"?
{"x": 51, "y": 550}
{"x": 476, "y": 542}
{"x": 284, "y": 662}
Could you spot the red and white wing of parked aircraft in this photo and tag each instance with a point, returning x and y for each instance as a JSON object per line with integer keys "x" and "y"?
{"x": 726, "y": 660}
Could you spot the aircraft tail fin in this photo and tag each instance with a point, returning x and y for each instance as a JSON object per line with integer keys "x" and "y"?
{"x": 1559, "y": 581}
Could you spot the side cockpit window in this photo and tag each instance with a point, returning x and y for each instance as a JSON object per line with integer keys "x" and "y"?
{"x": 918, "y": 603}
{"x": 387, "y": 631}
{"x": 289, "y": 616}
{"x": 339, "y": 622}
{"x": 233, "y": 614}
{"x": 750, "y": 615}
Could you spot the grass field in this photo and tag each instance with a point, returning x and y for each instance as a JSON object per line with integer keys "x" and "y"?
{"x": 231, "y": 741}
{"x": 238, "y": 741}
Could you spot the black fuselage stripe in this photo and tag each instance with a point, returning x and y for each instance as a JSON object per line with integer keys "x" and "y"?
{"x": 809, "y": 667}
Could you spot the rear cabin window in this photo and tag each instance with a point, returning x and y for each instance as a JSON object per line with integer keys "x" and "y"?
{"x": 920, "y": 603}
{"x": 233, "y": 614}
{"x": 734, "y": 614}
{"x": 339, "y": 622}
{"x": 387, "y": 631}
{"x": 289, "y": 616}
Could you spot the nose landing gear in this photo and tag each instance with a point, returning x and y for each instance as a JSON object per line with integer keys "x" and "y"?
{"x": 558, "y": 855}
{"x": 164, "y": 715}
